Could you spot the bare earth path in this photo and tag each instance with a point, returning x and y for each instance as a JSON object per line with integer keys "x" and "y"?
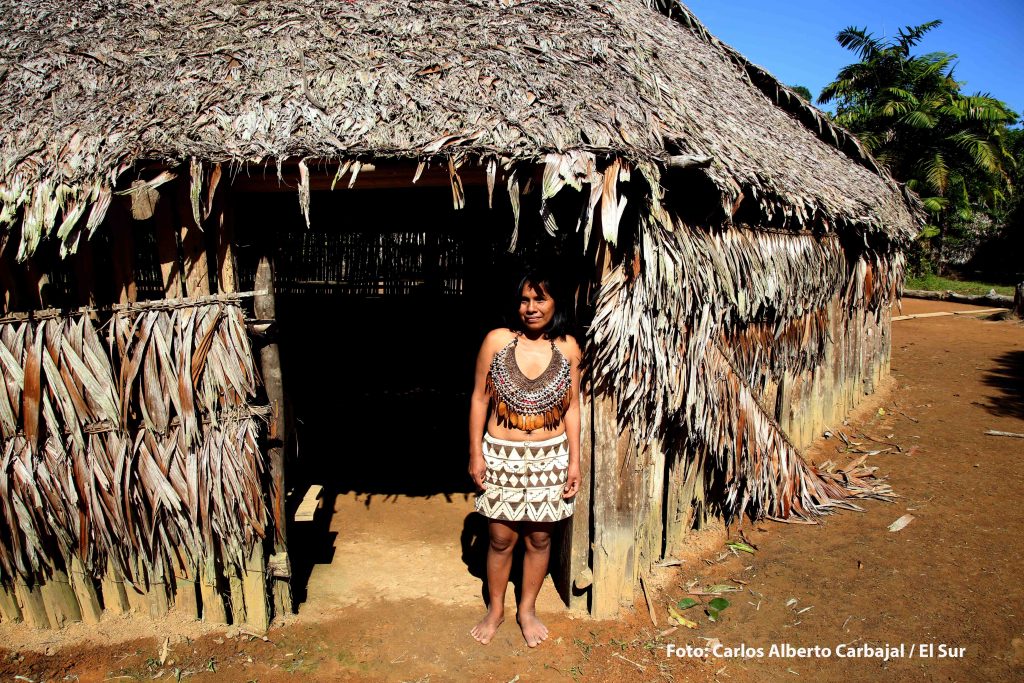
{"x": 951, "y": 577}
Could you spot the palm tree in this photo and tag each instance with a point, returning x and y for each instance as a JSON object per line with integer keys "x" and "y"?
{"x": 909, "y": 111}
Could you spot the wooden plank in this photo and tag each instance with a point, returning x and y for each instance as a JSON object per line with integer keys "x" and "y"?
{"x": 265, "y": 308}
{"x": 85, "y": 590}
{"x": 311, "y": 502}
{"x": 159, "y": 597}
{"x": 138, "y": 597}
{"x": 59, "y": 599}
{"x": 33, "y": 609}
{"x": 167, "y": 246}
{"x": 214, "y": 609}
{"x": 237, "y": 599}
{"x": 193, "y": 246}
{"x": 115, "y": 597}
{"x": 254, "y": 591}
{"x": 186, "y": 590}
{"x": 123, "y": 252}
{"x": 650, "y": 527}
{"x": 9, "y": 607}
{"x": 616, "y": 490}
{"x": 578, "y": 568}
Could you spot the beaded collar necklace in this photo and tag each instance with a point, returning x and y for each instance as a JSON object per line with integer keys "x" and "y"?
{"x": 524, "y": 403}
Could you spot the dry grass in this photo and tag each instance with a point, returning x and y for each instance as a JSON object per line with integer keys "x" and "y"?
{"x": 141, "y": 450}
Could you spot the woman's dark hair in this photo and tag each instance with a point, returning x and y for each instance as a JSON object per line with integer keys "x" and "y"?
{"x": 561, "y": 321}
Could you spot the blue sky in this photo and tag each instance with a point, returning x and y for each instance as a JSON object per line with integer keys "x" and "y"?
{"x": 795, "y": 39}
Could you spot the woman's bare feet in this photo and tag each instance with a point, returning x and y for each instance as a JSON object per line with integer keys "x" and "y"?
{"x": 534, "y": 630}
{"x": 484, "y": 631}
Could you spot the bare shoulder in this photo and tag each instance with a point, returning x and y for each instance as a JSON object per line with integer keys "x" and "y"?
{"x": 569, "y": 347}
{"x": 496, "y": 339}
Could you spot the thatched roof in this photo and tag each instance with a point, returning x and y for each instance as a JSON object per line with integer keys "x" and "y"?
{"x": 89, "y": 89}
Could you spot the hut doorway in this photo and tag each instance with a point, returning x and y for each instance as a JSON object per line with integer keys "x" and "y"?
{"x": 381, "y": 306}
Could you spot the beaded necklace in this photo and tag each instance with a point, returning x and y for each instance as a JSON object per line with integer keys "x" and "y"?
{"x": 524, "y": 403}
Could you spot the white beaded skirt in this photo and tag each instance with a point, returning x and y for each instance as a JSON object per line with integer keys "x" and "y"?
{"x": 525, "y": 480}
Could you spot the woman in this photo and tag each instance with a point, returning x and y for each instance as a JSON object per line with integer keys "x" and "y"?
{"x": 527, "y": 465}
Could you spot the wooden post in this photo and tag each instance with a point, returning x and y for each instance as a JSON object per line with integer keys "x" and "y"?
{"x": 167, "y": 246}
{"x": 576, "y": 543}
{"x": 616, "y": 488}
{"x": 254, "y": 591}
{"x": 650, "y": 527}
{"x": 9, "y": 605}
{"x": 1018, "y": 300}
{"x": 193, "y": 245}
{"x": 85, "y": 591}
{"x": 270, "y": 359}
{"x": 123, "y": 255}
{"x": 59, "y": 599}
{"x": 30, "y": 599}
{"x": 186, "y": 590}
{"x": 115, "y": 597}
{"x": 159, "y": 597}
{"x": 214, "y": 609}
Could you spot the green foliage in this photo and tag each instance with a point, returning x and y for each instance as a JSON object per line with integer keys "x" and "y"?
{"x": 687, "y": 603}
{"x": 803, "y": 92}
{"x": 955, "y": 150}
{"x": 934, "y": 283}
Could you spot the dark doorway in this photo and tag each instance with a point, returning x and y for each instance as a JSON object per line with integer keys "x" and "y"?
{"x": 382, "y": 303}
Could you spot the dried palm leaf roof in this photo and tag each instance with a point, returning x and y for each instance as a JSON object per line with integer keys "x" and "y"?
{"x": 89, "y": 89}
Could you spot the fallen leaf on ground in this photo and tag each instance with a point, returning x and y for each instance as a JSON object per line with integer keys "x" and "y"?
{"x": 901, "y": 522}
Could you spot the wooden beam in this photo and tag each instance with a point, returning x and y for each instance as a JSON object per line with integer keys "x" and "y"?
{"x": 59, "y": 599}
{"x": 186, "y": 590}
{"x": 167, "y": 246}
{"x": 311, "y": 502}
{"x": 193, "y": 245}
{"x": 33, "y": 609}
{"x": 115, "y": 597}
{"x": 265, "y": 308}
{"x": 85, "y": 590}
{"x": 214, "y": 609}
{"x": 616, "y": 489}
{"x": 650, "y": 518}
{"x": 254, "y": 591}
{"x": 577, "y": 548}
{"x": 9, "y": 605}
{"x": 376, "y": 176}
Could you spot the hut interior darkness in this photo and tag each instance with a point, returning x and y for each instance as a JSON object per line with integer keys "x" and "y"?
{"x": 219, "y": 221}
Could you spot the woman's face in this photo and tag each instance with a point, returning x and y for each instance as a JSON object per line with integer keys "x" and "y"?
{"x": 536, "y": 308}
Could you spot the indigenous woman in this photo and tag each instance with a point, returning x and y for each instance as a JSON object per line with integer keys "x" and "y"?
{"x": 527, "y": 463}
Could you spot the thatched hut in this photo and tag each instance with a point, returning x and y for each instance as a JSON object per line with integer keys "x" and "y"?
{"x": 171, "y": 172}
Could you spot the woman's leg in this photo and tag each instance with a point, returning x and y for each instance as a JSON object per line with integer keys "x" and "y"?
{"x": 535, "y": 566}
{"x": 499, "y": 563}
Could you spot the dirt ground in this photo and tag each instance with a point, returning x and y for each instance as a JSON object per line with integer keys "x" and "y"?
{"x": 949, "y": 579}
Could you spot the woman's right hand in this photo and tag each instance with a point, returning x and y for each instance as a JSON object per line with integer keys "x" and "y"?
{"x": 477, "y": 469}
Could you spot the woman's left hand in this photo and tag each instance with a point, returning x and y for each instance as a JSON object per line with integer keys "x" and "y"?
{"x": 572, "y": 481}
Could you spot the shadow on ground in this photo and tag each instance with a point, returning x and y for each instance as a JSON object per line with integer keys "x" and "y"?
{"x": 1008, "y": 381}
